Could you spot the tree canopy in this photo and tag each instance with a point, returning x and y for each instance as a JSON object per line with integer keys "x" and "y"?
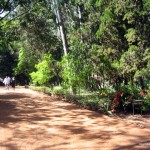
{"x": 90, "y": 42}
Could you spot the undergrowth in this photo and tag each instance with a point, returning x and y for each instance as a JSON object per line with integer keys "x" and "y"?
{"x": 98, "y": 101}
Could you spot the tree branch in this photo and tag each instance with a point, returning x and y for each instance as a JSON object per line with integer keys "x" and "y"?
{"x": 17, "y": 17}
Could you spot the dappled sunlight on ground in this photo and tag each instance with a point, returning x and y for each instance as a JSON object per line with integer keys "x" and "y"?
{"x": 31, "y": 120}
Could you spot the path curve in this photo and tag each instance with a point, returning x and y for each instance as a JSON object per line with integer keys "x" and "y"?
{"x": 30, "y": 120}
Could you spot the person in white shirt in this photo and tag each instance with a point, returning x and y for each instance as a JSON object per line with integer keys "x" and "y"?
{"x": 7, "y": 82}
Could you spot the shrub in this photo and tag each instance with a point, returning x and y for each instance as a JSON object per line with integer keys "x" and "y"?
{"x": 146, "y": 106}
{"x": 43, "y": 89}
{"x": 44, "y": 71}
{"x": 58, "y": 90}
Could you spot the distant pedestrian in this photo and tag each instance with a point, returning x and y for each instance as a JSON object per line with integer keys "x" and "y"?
{"x": 13, "y": 82}
{"x": 7, "y": 82}
{"x": 1, "y": 79}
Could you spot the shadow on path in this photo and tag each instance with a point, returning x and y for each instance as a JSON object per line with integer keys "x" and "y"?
{"x": 33, "y": 121}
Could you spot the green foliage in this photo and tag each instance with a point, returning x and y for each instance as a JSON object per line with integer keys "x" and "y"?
{"x": 129, "y": 60}
{"x": 122, "y": 100}
{"x": 74, "y": 73}
{"x": 90, "y": 103}
{"x": 44, "y": 71}
{"x": 25, "y": 61}
{"x": 58, "y": 90}
{"x": 37, "y": 32}
{"x": 106, "y": 20}
{"x": 131, "y": 35}
{"x": 146, "y": 106}
{"x": 43, "y": 89}
{"x": 69, "y": 76}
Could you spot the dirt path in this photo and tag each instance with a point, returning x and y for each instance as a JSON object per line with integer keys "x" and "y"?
{"x": 34, "y": 121}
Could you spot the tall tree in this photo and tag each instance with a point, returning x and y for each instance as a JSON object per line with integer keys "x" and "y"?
{"x": 60, "y": 23}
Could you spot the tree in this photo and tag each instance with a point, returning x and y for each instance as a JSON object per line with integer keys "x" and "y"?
{"x": 45, "y": 71}
{"x": 38, "y": 37}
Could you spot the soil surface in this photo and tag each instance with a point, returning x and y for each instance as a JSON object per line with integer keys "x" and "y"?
{"x": 30, "y": 120}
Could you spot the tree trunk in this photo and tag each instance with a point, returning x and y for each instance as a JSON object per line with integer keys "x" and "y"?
{"x": 61, "y": 26}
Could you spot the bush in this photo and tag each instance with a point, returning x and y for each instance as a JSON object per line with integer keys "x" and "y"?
{"x": 122, "y": 100}
{"x": 43, "y": 89}
{"x": 146, "y": 106}
{"x": 90, "y": 103}
{"x": 58, "y": 90}
{"x": 44, "y": 71}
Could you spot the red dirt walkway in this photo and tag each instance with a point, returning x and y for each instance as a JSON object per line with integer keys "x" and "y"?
{"x": 34, "y": 121}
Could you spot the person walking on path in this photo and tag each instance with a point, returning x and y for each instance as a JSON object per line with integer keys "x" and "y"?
{"x": 7, "y": 82}
{"x": 13, "y": 83}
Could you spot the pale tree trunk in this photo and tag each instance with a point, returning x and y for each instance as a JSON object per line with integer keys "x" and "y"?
{"x": 79, "y": 13}
{"x": 61, "y": 26}
{"x": 62, "y": 31}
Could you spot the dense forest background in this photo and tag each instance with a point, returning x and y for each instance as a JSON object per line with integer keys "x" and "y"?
{"x": 97, "y": 45}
